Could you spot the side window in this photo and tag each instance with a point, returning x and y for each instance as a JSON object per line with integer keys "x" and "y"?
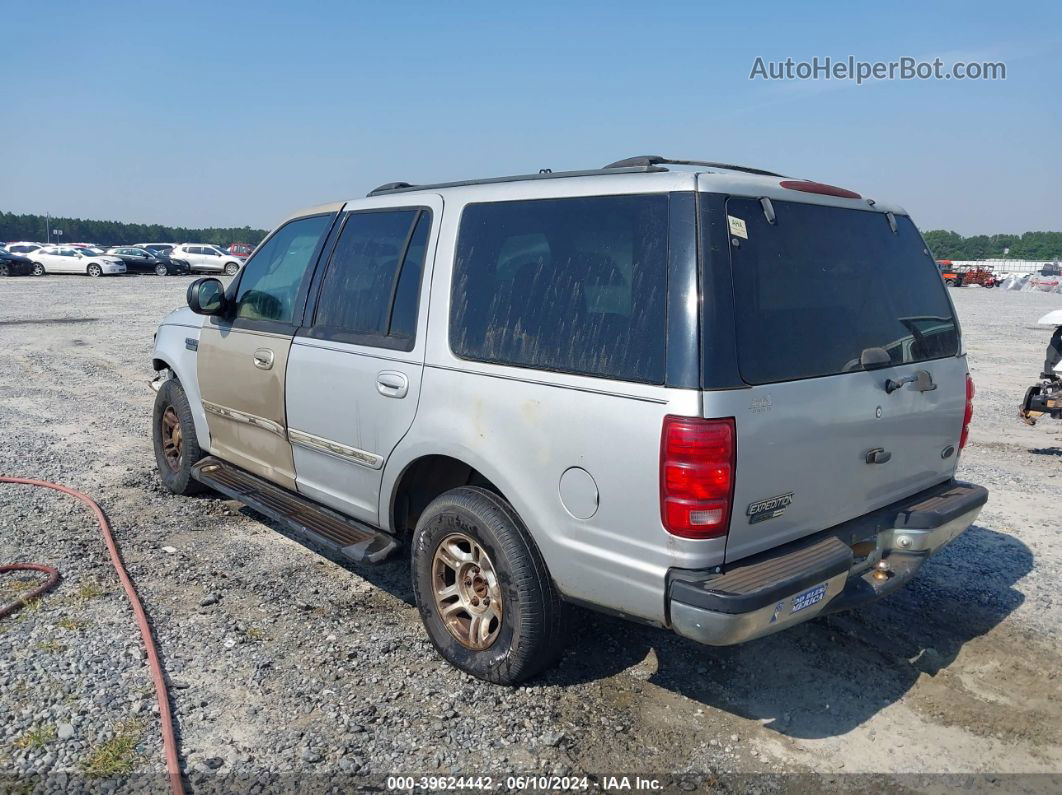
{"x": 372, "y": 285}
{"x": 574, "y": 285}
{"x": 271, "y": 280}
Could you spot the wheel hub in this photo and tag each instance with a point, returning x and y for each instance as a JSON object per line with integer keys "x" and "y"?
{"x": 466, "y": 590}
{"x": 170, "y": 426}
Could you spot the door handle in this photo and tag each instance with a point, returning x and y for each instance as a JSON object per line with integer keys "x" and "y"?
{"x": 878, "y": 455}
{"x": 391, "y": 383}
{"x": 263, "y": 358}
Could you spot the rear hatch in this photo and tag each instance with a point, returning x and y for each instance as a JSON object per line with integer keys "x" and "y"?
{"x": 831, "y": 304}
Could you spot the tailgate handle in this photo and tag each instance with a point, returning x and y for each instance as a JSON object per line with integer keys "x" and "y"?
{"x": 879, "y": 455}
{"x": 920, "y": 380}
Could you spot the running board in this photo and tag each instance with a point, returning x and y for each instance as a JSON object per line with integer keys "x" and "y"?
{"x": 330, "y": 529}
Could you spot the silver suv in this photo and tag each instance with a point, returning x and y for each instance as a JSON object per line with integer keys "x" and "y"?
{"x": 710, "y": 398}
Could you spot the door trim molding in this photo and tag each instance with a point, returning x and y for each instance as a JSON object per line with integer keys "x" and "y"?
{"x": 245, "y": 418}
{"x": 335, "y": 449}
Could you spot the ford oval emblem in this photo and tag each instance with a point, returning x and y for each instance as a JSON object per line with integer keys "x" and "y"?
{"x": 877, "y": 412}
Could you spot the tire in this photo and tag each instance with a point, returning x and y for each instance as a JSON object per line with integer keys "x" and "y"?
{"x": 94, "y": 270}
{"x": 231, "y": 268}
{"x": 38, "y": 269}
{"x": 4, "y": 270}
{"x": 529, "y": 632}
{"x": 161, "y": 270}
{"x": 175, "y": 472}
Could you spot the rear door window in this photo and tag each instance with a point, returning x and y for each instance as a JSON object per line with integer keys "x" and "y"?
{"x": 370, "y": 292}
{"x": 822, "y": 285}
{"x": 574, "y": 285}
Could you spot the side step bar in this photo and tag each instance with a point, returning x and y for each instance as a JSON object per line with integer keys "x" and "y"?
{"x": 330, "y": 529}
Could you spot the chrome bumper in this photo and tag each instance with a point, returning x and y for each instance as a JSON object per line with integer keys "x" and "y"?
{"x": 899, "y": 554}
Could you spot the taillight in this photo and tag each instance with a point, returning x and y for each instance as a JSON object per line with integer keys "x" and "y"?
{"x": 968, "y": 415}
{"x": 697, "y": 461}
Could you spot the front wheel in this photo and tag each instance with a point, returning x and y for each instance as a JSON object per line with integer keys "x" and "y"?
{"x": 94, "y": 270}
{"x": 231, "y": 268}
{"x": 173, "y": 435}
{"x": 161, "y": 270}
{"x": 4, "y": 270}
{"x": 38, "y": 269}
{"x": 483, "y": 591}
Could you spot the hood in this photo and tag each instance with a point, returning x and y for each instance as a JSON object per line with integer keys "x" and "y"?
{"x": 1051, "y": 318}
{"x": 183, "y": 316}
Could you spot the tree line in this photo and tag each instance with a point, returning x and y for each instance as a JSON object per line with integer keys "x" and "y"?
{"x": 115, "y": 233}
{"x": 1046, "y": 246}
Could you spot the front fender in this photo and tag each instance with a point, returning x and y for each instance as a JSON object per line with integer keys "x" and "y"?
{"x": 175, "y": 349}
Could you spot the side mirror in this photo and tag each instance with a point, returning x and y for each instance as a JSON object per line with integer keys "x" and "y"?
{"x": 206, "y": 296}
{"x": 80, "y": 255}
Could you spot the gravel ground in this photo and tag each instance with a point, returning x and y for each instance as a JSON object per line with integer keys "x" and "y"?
{"x": 283, "y": 660}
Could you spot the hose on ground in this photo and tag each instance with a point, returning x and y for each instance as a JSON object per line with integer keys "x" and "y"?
{"x": 36, "y": 593}
{"x": 169, "y": 739}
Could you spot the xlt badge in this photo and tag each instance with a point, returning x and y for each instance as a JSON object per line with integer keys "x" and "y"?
{"x": 772, "y": 507}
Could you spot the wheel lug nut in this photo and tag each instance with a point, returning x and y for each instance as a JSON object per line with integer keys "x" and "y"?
{"x": 468, "y": 581}
{"x": 486, "y": 601}
{"x": 475, "y": 602}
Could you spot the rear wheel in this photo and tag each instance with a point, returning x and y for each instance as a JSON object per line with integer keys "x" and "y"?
{"x": 94, "y": 270}
{"x": 483, "y": 590}
{"x": 231, "y": 268}
{"x": 38, "y": 269}
{"x": 173, "y": 435}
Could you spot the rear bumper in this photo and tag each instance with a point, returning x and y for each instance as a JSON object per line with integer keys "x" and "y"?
{"x": 846, "y": 566}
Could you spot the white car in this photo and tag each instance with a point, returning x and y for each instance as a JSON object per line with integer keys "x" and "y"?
{"x": 205, "y": 257}
{"x": 66, "y": 259}
{"x": 23, "y": 247}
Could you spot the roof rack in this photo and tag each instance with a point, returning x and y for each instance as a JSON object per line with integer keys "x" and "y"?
{"x": 405, "y": 187}
{"x": 657, "y": 160}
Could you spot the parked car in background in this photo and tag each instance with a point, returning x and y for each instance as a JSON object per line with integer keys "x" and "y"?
{"x": 68, "y": 259}
{"x": 205, "y": 257}
{"x": 142, "y": 260}
{"x": 14, "y": 264}
{"x": 165, "y": 248}
{"x": 241, "y": 250}
{"x": 1048, "y": 278}
{"x": 23, "y": 247}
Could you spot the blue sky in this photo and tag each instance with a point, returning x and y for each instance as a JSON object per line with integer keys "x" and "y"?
{"x": 232, "y": 113}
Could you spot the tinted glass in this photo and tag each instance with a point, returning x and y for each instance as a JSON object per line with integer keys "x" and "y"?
{"x": 822, "y": 284}
{"x": 270, "y": 281}
{"x": 574, "y": 285}
{"x": 407, "y": 293}
{"x": 356, "y": 292}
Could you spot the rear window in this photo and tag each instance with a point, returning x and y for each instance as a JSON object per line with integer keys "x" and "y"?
{"x": 573, "y": 285}
{"x": 821, "y": 285}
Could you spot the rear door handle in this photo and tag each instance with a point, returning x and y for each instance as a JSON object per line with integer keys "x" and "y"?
{"x": 391, "y": 383}
{"x": 263, "y": 358}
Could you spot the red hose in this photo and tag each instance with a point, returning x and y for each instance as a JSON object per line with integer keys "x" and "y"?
{"x": 25, "y": 599}
{"x": 169, "y": 740}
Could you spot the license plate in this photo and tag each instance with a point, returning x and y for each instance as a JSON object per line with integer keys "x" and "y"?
{"x": 808, "y": 597}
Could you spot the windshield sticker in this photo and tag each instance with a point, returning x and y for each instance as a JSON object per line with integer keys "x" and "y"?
{"x": 737, "y": 227}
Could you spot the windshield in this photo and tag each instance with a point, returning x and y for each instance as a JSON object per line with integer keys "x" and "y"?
{"x": 822, "y": 285}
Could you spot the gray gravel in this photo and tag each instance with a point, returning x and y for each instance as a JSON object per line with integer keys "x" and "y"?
{"x": 283, "y": 660}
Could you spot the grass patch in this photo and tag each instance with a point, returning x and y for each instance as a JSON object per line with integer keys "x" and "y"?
{"x": 13, "y": 587}
{"x": 255, "y": 634}
{"x": 71, "y": 624}
{"x": 51, "y": 646}
{"x": 89, "y": 590}
{"x": 37, "y": 737}
{"x": 116, "y": 756}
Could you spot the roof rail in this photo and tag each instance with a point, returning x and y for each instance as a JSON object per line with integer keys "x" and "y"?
{"x": 405, "y": 187}
{"x": 656, "y": 160}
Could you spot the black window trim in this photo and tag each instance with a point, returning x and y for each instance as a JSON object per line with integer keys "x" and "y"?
{"x": 298, "y": 310}
{"x": 581, "y": 373}
{"x": 385, "y": 341}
